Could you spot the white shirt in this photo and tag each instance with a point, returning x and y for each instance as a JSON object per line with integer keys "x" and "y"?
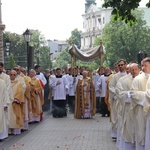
{"x": 42, "y": 78}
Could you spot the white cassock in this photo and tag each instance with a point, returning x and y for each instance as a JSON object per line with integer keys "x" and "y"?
{"x": 59, "y": 97}
{"x": 114, "y": 102}
{"x": 59, "y": 90}
{"x": 72, "y": 85}
{"x": 147, "y": 111}
{"x": 126, "y": 122}
{"x": 51, "y": 93}
{"x": 102, "y": 84}
{"x": 73, "y": 80}
{"x": 4, "y": 99}
{"x": 97, "y": 91}
{"x": 42, "y": 78}
{"x": 68, "y": 78}
{"x": 138, "y": 92}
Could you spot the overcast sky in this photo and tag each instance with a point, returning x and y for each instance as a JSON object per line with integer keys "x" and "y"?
{"x": 54, "y": 18}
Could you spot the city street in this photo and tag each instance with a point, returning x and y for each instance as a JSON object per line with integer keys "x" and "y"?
{"x": 63, "y": 134}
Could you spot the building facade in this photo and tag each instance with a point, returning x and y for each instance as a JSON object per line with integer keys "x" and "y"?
{"x": 56, "y": 47}
{"x": 94, "y": 20}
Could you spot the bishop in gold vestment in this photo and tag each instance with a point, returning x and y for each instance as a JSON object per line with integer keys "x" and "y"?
{"x": 16, "y": 113}
{"x": 37, "y": 99}
{"x": 85, "y": 99}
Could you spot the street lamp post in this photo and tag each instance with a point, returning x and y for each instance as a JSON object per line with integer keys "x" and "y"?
{"x": 38, "y": 57}
{"x": 7, "y": 44}
{"x": 27, "y": 36}
{"x": 140, "y": 56}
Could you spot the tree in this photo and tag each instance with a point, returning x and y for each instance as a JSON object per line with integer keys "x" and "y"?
{"x": 11, "y": 62}
{"x": 45, "y": 61}
{"x": 19, "y": 50}
{"x": 123, "y": 41}
{"x": 63, "y": 59}
{"x": 17, "y": 47}
{"x": 122, "y": 9}
{"x": 93, "y": 65}
{"x": 75, "y": 37}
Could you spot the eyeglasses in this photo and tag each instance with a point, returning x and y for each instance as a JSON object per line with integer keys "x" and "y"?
{"x": 120, "y": 65}
{"x": 12, "y": 74}
{"x": 16, "y": 69}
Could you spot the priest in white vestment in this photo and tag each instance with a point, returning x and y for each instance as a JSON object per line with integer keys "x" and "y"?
{"x": 147, "y": 113}
{"x": 6, "y": 79}
{"x": 138, "y": 93}
{"x": 123, "y": 92}
{"x": 4, "y": 99}
{"x": 113, "y": 100}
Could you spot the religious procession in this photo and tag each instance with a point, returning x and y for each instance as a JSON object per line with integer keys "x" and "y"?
{"x": 120, "y": 93}
{"x": 22, "y": 96}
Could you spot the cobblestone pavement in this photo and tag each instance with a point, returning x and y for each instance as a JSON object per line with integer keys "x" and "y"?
{"x": 68, "y": 134}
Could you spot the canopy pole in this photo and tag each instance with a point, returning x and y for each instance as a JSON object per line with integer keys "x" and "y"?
{"x": 73, "y": 57}
{"x": 101, "y": 54}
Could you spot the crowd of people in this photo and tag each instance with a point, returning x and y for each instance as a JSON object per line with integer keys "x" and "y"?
{"x": 129, "y": 101}
{"x": 21, "y": 99}
{"x": 122, "y": 94}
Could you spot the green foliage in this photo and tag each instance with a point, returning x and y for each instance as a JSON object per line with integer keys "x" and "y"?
{"x": 122, "y": 9}
{"x": 11, "y": 62}
{"x": 93, "y": 65}
{"x": 76, "y": 37}
{"x": 45, "y": 61}
{"x": 123, "y": 41}
{"x": 18, "y": 48}
{"x": 63, "y": 59}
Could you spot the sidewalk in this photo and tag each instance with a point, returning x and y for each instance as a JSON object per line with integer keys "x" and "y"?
{"x": 68, "y": 134}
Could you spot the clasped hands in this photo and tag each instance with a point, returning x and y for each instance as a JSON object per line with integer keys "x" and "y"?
{"x": 58, "y": 83}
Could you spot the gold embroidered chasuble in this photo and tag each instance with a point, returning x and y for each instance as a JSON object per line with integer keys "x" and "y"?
{"x": 82, "y": 97}
{"x": 36, "y": 92}
{"x": 27, "y": 94}
{"x": 16, "y": 113}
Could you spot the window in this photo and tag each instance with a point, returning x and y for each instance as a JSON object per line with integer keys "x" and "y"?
{"x": 103, "y": 20}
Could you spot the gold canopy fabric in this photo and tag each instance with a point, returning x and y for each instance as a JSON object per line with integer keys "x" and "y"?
{"x": 87, "y": 54}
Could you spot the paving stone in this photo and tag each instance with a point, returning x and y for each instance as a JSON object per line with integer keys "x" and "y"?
{"x": 69, "y": 134}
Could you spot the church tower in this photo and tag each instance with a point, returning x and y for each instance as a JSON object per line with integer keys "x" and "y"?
{"x": 88, "y": 3}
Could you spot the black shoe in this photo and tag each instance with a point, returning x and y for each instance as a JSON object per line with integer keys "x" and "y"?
{"x": 108, "y": 115}
{"x": 114, "y": 139}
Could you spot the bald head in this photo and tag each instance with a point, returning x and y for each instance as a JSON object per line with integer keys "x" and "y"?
{"x": 135, "y": 70}
{"x": 84, "y": 73}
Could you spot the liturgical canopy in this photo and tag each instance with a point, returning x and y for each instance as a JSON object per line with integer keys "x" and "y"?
{"x": 86, "y": 54}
